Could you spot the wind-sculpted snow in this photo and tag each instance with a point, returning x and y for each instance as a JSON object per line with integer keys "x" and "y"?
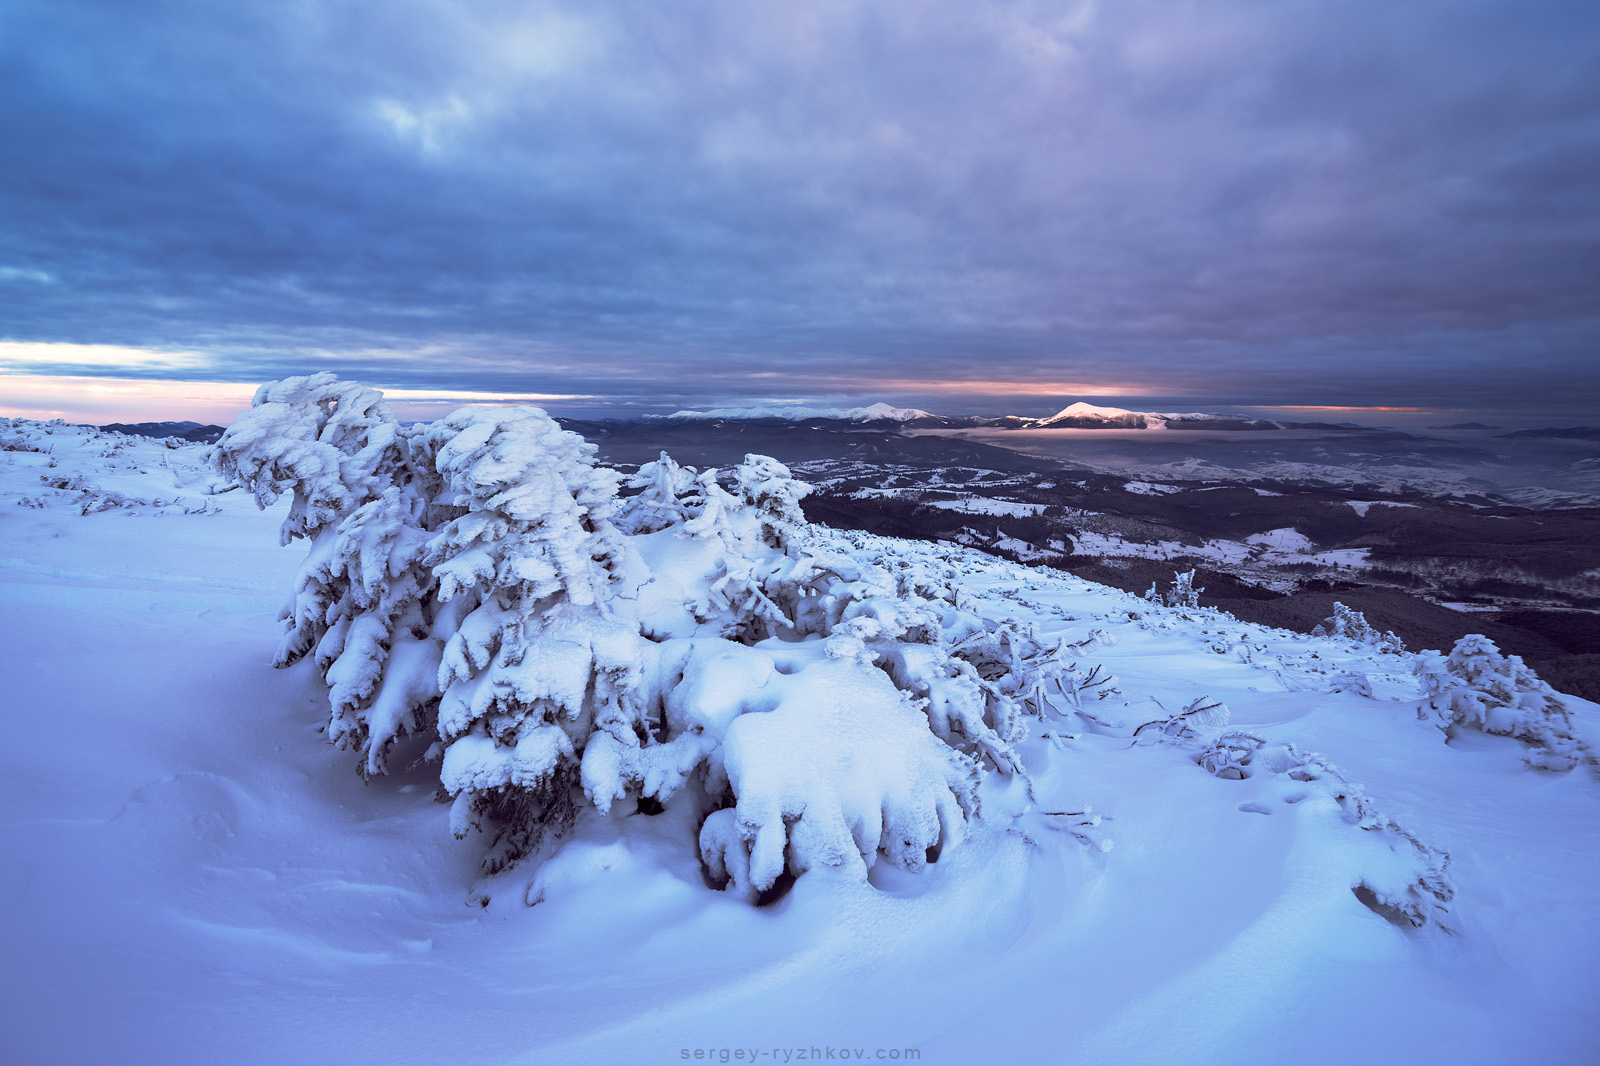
{"x": 1214, "y": 845}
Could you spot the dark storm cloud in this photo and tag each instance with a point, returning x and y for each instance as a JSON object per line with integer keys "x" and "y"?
{"x": 1346, "y": 202}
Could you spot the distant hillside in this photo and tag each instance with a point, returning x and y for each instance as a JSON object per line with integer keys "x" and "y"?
{"x": 190, "y": 431}
{"x": 1077, "y": 415}
{"x": 1567, "y": 433}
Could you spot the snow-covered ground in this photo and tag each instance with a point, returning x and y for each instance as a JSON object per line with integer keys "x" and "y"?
{"x": 192, "y": 874}
{"x": 1529, "y": 472}
{"x": 1275, "y": 547}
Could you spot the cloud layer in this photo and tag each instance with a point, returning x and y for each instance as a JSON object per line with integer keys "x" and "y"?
{"x": 1297, "y": 202}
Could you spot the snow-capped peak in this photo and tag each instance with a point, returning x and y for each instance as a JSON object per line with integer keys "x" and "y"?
{"x": 884, "y": 411}
{"x": 1088, "y": 412}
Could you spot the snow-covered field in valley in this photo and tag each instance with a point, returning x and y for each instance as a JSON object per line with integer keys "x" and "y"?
{"x": 191, "y": 873}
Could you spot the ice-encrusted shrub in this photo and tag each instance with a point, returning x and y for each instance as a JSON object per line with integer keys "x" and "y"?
{"x": 479, "y": 578}
{"x": 1352, "y": 681}
{"x": 365, "y": 497}
{"x": 1201, "y": 716}
{"x": 977, "y": 677}
{"x": 332, "y": 444}
{"x": 1351, "y": 625}
{"x": 1409, "y": 884}
{"x": 1475, "y": 687}
{"x": 1182, "y": 594}
{"x": 547, "y": 646}
{"x": 841, "y": 769}
{"x": 1404, "y": 880}
{"x": 765, "y": 584}
{"x": 815, "y": 622}
{"x": 665, "y": 497}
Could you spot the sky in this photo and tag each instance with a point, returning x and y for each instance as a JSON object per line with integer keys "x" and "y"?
{"x": 618, "y": 206}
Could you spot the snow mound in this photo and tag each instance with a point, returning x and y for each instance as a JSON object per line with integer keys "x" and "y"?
{"x": 841, "y": 768}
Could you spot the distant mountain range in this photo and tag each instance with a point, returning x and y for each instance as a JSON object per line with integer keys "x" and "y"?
{"x": 1566, "y": 433}
{"x": 1078, "y": 415}
{"x": 878, "y": 412}
{"x": 190, "y": 431}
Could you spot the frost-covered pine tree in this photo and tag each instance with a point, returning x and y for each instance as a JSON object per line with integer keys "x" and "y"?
{"x": 1352, "y": 625}
{"x": 665, "y": 497}
{"x": 470, "y": 578}
{"x": 381, "y": 655}
{"x": 736, "y": 593}
{"x": 362, "y": 598}
{"x": 766, "y": 487}
{"x": 1475, "y": 687}
{"x": 1182, "y": 594}
{"x": 332, "y": 444}
{"x": 545, "y": 646}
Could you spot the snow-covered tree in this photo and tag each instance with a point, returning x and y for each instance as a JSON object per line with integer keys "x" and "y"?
{"x": 1352, "y": 625}
{"x": 479, "y": 577}
{"x": 665, "y": 497}
{"x": 332, "y": 444}
{"x": 1182, "y": 594}
{"x": 546, "y": 648}
{"x": 767, "y": 487}
{"x": 379, "y": 654}
{"x": 362, "y": 598}
{"x": 1475, "y": 687}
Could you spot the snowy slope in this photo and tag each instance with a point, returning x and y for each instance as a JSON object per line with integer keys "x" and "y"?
{"x": 193, "y": 875}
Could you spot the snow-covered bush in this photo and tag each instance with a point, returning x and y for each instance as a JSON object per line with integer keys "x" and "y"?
{"x": 332, "y": 444}
{"x": 841, "y": 769}
{"x": 363, "y": 600}
{"x": 664, "y": 497}
{"x": 545, "y": 647}
{"x": 1347, "y": 624}
{"x": 1395, "y": 874}
{"x": 1354, "y": 682}
{"x": 479, "y": 579}
{"x": 1182, "y": 594}
{"x": 882, "y": 628}
{"x": 1475, "y": 687}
